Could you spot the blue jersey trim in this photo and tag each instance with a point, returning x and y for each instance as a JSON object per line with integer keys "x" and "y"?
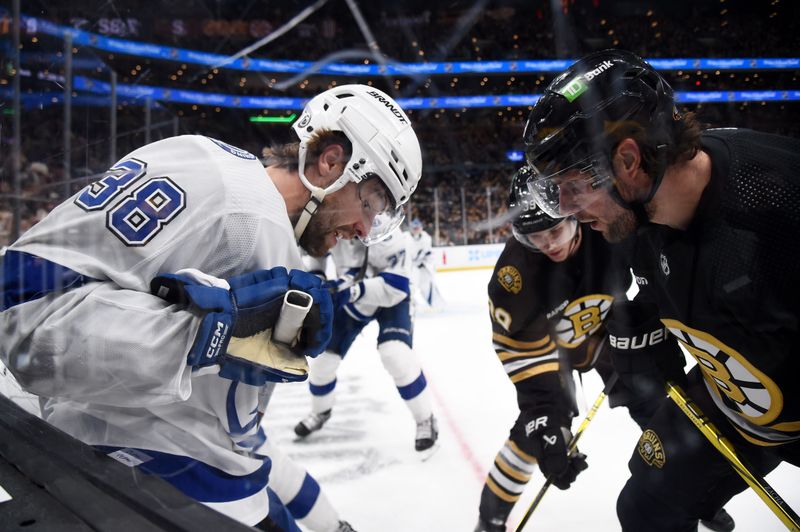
{"x": 27, "y": 277}
{"x": 197, "y": 480}
{"x": 280, "y": 515}
{"x": 355, "y": 314}
{"x": 410, "y": 391}
{"x": 324, "y": 389}
{"x": 399, "y": 282}
{"x": 306, "y": 498}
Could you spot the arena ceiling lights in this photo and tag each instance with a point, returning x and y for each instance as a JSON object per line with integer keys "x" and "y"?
{"x": 168, "y": 53}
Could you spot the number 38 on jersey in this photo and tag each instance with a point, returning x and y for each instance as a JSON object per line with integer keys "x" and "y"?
{"x": 134, "y": 214}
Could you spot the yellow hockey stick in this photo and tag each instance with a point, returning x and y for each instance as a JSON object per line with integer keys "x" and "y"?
{"x": 774, "y": 501}
{"x": 573, "y": 444}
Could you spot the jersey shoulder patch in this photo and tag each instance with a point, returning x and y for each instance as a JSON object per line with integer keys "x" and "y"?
{"x": 510, "y": 279}
{"x": 233, "y": 150}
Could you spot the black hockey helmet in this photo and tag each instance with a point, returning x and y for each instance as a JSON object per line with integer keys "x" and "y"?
{"x": 583, "y": 114}
{"x": 528, "y": 218}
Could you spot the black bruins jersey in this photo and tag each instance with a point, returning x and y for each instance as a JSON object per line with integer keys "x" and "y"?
{"x": 728, "y": 287}
{"x": 545, "y": 312}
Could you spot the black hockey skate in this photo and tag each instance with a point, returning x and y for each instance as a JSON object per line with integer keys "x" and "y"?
{"x": 722, "y": 522}
{"x": 312, "y": 423}
{"x": 427, "y": 434}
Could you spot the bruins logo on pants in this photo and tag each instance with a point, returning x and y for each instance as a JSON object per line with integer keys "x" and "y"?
{"x": 651, "y": 450}
{"x": 737, "y": 383}
{"x": 581, "y": 318}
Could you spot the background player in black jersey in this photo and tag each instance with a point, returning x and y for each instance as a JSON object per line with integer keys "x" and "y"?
{"x": 550, "y": 293}
{"x": 716, "y": 217}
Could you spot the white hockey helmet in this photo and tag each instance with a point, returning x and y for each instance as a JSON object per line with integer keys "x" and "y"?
{"x": 383, "y": 144}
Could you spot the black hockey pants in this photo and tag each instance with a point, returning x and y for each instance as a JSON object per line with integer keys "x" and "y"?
{"x": 677, "y": 476}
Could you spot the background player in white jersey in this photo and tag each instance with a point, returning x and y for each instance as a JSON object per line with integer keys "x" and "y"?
{"x": 423, "y": 270}
{"x": 141, "y": 309}
{"x": 384, "y": 295}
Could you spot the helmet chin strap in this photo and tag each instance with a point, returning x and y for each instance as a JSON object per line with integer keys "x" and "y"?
{"x": 313, "y": 203}
{"x": 309, "y": 210}
{"x": 637, "y": 207}
{"x": 576, "y": 240}
{"x": 317, "y": 193}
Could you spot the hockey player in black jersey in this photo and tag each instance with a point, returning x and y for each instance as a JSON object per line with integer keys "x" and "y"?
{"x": 550, "y": 293}
{"x": 716, "y": 217}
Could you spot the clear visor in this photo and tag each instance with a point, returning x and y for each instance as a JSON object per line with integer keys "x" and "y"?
{"x": 382, "y": 226}
{"x": 549, "y": 239}
{"x": 569, "y": 189}
{"x": 378, "y": 207}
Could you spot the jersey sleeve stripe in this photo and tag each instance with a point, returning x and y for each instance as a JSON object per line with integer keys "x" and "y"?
{"x": 517, "y": 365}
{"x": 517, "y": 344}
{"x": 532, "y": 372}
{"x": 508, "y": 354}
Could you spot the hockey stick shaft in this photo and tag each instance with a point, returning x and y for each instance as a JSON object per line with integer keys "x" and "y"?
{"x": 573, "y": 444}
{"x": 362, "y": 271}
{"x": 774, "y": 501}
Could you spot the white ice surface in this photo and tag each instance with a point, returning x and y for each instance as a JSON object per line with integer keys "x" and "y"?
{"x": 365, "y": 461}
{"x": 364, "y": 457}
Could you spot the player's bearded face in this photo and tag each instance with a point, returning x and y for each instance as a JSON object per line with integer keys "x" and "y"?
{"x": 341, "y": 215}
{"x": 598, "y": 209}
{"x": 614, "y": 221}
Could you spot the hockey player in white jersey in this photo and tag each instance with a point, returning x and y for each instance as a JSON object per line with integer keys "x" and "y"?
{"x": 141, "y": 309}
{"x": 423, "y": 270}
{"x": 383, "y": 295}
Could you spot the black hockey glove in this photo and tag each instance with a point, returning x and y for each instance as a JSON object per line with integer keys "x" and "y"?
{"x": 643, "y": 351}
{"x": 549, "y": 441}
{"x": 239, "y": 315}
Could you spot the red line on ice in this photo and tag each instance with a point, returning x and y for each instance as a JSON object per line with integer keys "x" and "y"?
{"x": 466, "y": 450}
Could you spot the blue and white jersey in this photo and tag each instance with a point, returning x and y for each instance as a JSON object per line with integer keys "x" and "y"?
{"x": 387, "y": 279}
{"x": 422, "y": 250}
{"x": 348, "y": 256}
{"x": 342, "y": 261}
{"x": 81, "y": 328}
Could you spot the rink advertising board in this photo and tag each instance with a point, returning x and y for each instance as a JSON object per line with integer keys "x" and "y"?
{"x": 478, "y": 257}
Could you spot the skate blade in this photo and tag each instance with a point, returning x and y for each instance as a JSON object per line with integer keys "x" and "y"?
{"x": 425, "y": 455}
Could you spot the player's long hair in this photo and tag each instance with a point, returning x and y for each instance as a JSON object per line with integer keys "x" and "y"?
{"x": 684, "y": 146}
{"x": 286, "y": 155}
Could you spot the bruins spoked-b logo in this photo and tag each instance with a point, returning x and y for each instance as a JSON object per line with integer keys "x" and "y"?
{"x": 651, "y": 450}
{"x": 581, "y": 318}
{"x": 739, "y": 385}
{"x": 510, "y": 279}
